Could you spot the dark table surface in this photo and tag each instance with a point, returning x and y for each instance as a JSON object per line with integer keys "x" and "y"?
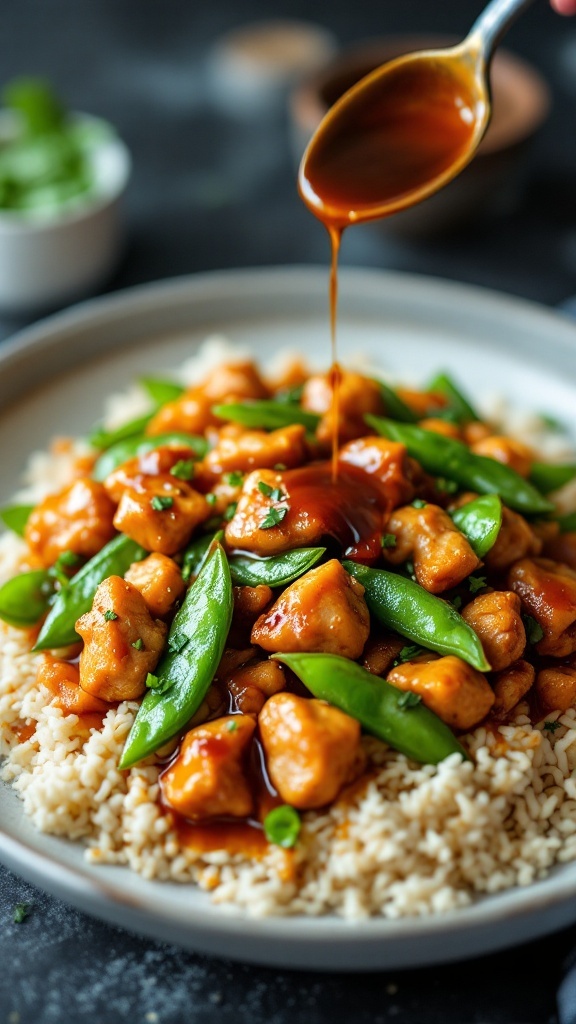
{"x": 213, "y": 189}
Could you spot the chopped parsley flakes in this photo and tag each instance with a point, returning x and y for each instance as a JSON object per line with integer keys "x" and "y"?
{"x": 183, "y": 469}
{"x": 534, "y": 631}
{"x": 21, "y": 912}
{"x": 552, "y": 726}
{"x": 138, "y": 644}
{"x": 388, "y": 540}
{"x": 476, "y": 583}
{"x": 110, "y": 615}
{"x": 160, "y": 502}
{"x": 274, "y": 517}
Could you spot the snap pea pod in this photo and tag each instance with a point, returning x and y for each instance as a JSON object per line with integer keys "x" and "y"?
{"x": 403, "y": 605}
{"x": 396, "y": 409}
{"x": 102, "y": 438}
{"x": 275, "y": 571}
{"x": 266, "y": 414}
{"x": 457, "y": 403}
{"x": 76, "y": 597}
{"x": 379, "y": 707}
{"x": 161, "y": 391}
{"x": 195, "y": 646}
{"x": 442, "y": 456}
{"x": 480, "y": 521}
{"x": 25, "y": 598}
{"x": 139, "y": 445}
{"x": 196, "y": 553}
{"x": 549, "y": 476}
{"x": 567, "y": 523}
{"x": 15, "y": 517}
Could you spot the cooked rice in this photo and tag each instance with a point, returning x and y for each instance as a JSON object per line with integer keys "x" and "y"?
{"x": 411, "y": 840}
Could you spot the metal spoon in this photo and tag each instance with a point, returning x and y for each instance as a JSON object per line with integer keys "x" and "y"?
{"x": 406, "y": 129}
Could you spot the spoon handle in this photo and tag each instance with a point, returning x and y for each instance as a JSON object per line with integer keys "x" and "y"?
{"x": 494, "y": 21}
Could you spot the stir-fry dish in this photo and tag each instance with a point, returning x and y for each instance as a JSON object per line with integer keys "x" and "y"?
{"x": 317, "y": 656}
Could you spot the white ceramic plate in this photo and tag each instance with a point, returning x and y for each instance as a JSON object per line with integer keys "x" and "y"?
{"x": 53, "y": 379}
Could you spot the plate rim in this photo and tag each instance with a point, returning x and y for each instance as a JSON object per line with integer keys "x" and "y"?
{"x": 107, "y": 899}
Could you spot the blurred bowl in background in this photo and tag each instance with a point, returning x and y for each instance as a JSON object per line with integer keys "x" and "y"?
{"x": 49, "y": 259}
{"x": 491, "y": 184}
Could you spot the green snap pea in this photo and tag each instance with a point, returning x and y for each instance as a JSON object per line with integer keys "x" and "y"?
{"x": 195, "y": 646}
{"x": 480, "y": 521}
{"x": 567, "y": 523}
{"x": 549, "y": 476}
{"x": 458, "y": 404}
{"x": 404, "y": 606}
{"x": 196, "y": 553}
{"x": 24, "y": 599}
{"x": 275, "y": 571}
{"x": 102, "y": 438}
{"x": 139, "y": 445}
{"x": 15, "y": 517}
{"x": 379, "y": 707}
{"x": 161, "y": 391}
{"x": 395, "y": 407}
{"x": 442, "y": 456}
{"x": 75, "y": 598}
{"x": 266, "y": 414}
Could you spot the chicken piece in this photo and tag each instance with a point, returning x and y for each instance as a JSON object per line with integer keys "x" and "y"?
{"x": 122, "y": 642}
{"x": 455, "y": 691}
{"x": 234, "y": 382}
{"x": 323, "y": 611}
{"x": 311, "y": 749}
{"x": 257, "y": 449}
{"x": 385, "y": 461}
{"x": 495, "y": 618}
{"x": 510, "y": 686}
{"x": 440, "y": 426}
{"x": 78, "y": 518}
{"x": 507, "y": 450}
{"x": 251, "y": 686}
{"x": 381, "y": 652}
{"x": 160, "y": 582}
{"x": 441, "y": 555}
{"x": 245, "y": 528}
{"x": 232, "y": 659}
{"x": 131, "y": 475}
{"x": 189, "y": 414}
{"x": 162, "y": 514}
{"x": 250, "y": 602}
{"x": 208, "y": 778}
{"x": 547, "y": 591}
{"x": 62, "y": 679}
{"x": 562, "y": 548}
{"x": 357, "y": 396}
{"x": 475, "y": 431}
{"x": 556, "y": 688}
{"x": 422, "y": 403}
{"x": 515, "y": 540}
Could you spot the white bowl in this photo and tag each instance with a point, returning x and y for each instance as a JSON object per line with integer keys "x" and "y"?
{"x": 49, "y": 260}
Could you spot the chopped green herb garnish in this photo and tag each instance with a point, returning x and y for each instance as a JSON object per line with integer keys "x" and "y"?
{"x": 235, "y": 479}
{"x": 274, "y": 517}
{"x": 230, "y": 511}
{"x": 277, "y": 494}
{"x": 388, "y": 540}
{"x": 110, "y": 615}
{"x": 160, "y": 502}
{"x": 409, "y": 699}
{"x": 446, "y": 486}
{"x": 183, "y": 469}
{"x": 139, "y": 644}
{"x": 211, "y": 499}
{"x": 177, "y": 642}
{"x": 476, "y": 583}
{"x": 552, "y": 726}
{"x": 408, "y": 653}
{"x": 534, "y": 631}
{"x": 232, "y": 726}
{"x": 282, "y": 826}
{"x": 159, "y": 685}
{"x": 419, "y": 503}
{"x": 265, "y": 488}
{"x": 21, "y": 912}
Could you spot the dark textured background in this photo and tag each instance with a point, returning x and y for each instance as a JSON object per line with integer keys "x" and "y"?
{"x": 212, "y": 190}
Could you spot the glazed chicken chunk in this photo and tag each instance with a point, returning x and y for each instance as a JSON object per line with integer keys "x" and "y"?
{"x": 79, "y": 518}
{"x": 160, "y": 582}
{"x": 496, "y": 620}
{"x": 162, "y": 514}
{"x": 62, "y": 679}
{"x": 311, "y": 748}
{"x": 455, "y": 691}
{"x": 357, "y": 396}
{"x": 441, "y": 554}
{"x": 122, "y": 642}
{"x": 556, "y": 688}
{"x": 507, "y": 450}
{"x": 251, "y": 685}
{"x": 510, "y": 686}
{"x": 208, "y": 777}
{"x": 547, "y": 591}
{"x": 245, "y": 530}
{"x": 323, "y": 611}
{"x": 516, "y": 539}
{"x": 387, "y": 462}
{"x": 286, "y": 446}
